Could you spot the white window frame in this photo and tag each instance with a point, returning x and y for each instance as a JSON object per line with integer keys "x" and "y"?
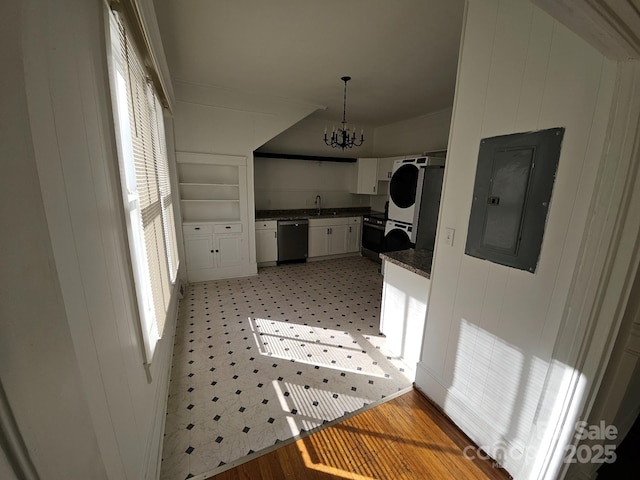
{"x": 152, "y": 315}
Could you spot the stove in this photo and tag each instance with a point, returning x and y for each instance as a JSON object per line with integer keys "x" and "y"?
{"x": 373, "y": 227}
{"x": 375, "y": 218}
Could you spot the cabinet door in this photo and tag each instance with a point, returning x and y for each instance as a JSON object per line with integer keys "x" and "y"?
{"x": 385, "y": 168}
{"x": 266, "y": 245}
{"x": 338, "y": 239}
{"x": 199, "y": 252}
{"x": 228, "y": 250}
{"x": 318, "y": 240}
{"x": 367, "y": 176}
{"x": 353, "y": 237}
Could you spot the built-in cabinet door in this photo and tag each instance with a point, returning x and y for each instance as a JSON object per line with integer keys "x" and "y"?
{"x": 266, "y": 245}
{"x": 318, "y": 241}
{"x": 228, "y": 250}
{"x": 199, "y": 251}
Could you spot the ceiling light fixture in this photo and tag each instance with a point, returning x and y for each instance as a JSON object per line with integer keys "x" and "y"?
{"x": 344, "y": 137}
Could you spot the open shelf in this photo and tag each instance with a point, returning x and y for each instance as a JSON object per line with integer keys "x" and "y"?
{"x": 208, "y": 174}
{"x": 210, "y": 210}
{"x": 209, "y": 191}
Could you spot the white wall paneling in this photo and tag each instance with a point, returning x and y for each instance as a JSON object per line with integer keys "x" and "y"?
{"x": 610, "y": 256}
{"x": 120, "y": 404}
{"x": 6, "y": 471}
{"x": 38, "y": 365}
{"x": 618, "y": 397}
{"x": 491, "y": 330}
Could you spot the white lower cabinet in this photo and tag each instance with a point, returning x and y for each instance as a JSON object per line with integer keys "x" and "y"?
{"x": 199, "y": 251}
{"x": 213, "y": 250}
{"x": 337, "y": 240}
{"x": 266, "y": 241}
{"x": 228, "y": 251}
{"x": 354, "y": 234}
{"x": 318, "y": 241}
{"x": 334, "y": 236}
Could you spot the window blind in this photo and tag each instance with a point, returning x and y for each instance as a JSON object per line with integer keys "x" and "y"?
{"x": 145, "y": 183}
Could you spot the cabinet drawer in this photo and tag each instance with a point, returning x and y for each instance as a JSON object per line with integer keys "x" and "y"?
{"x": 327, "y": 222}
{"x": 355, "y": 220}
{"x": 266, "y": 224}
{"x": 228, "y": 228}
{"x": 197, "y": 229}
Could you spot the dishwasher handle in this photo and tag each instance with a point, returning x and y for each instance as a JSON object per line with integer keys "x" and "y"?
{"x": 302, "y": 221}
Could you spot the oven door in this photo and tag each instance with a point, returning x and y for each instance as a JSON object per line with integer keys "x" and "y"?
{"x": 372, "y": 237}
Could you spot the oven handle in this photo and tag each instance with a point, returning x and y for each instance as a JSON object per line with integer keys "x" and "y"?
{"x": 377, "y": 227}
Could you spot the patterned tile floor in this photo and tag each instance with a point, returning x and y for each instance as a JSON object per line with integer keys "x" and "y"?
{"x": 261, "y": 359}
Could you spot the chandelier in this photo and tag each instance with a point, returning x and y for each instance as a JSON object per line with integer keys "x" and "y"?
{"x": 344, "y": 137}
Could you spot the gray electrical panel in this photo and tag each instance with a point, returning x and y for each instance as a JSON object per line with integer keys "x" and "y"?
{"x": 511, "y": 195}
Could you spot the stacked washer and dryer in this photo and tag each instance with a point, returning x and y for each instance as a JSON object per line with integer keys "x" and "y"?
{"x": 405, "y": 198}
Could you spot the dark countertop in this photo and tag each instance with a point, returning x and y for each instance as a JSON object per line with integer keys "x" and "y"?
{"x": 311, "y": 213}
{"x": 416, "y": 261}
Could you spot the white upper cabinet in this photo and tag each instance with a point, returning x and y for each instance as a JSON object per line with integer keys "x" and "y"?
{"x": 385, "y": 168}
{"x": 370, "y": 171}
{"x": 367, "y": 177}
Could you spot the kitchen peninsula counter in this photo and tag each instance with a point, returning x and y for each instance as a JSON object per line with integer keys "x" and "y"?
{"x": 416, "y": 261}
{"x": 405, "y": 295}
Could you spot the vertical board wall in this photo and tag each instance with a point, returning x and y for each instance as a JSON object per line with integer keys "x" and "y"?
{"x": 118, "y": 404}
{"x": 491, "y": 329}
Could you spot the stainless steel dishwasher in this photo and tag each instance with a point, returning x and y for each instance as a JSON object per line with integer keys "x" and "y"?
{"x": 293, "y": 240}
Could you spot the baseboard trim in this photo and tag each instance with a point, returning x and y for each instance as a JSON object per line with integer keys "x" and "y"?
{"x": 207, "y": 274}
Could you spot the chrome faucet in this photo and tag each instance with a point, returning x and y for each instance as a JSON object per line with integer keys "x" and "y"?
{"x": 318, "y": 203}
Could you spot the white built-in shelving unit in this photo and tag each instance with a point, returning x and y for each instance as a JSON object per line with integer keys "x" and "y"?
{"x": 213, "y": 202}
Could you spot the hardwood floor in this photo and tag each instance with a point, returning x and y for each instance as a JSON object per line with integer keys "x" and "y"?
{"x": 404, "y": 438}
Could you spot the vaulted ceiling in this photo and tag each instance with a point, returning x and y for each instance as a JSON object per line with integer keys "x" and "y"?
{"x": 401, "y": 54}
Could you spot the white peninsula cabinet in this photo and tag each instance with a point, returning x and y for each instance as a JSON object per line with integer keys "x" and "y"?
{"x": 334, "y": 236}
{"x": 403, "y": 311}
{"x": 266, "y": 241}
{"x": 213, "y": 203}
